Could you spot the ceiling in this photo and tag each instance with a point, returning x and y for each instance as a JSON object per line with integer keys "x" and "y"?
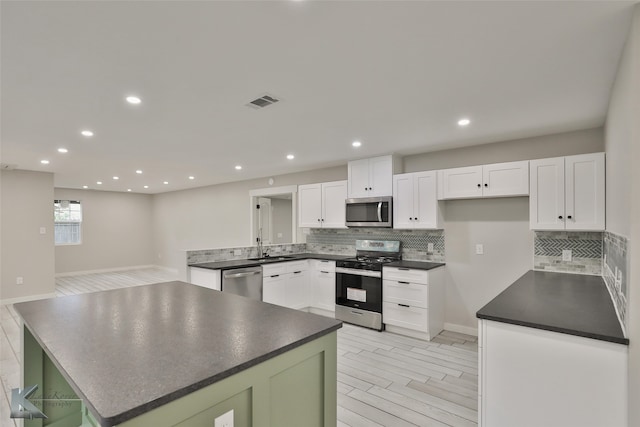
{"x": 394, "y": 75}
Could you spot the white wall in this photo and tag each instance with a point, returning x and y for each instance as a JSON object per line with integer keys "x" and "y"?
{"x": 215, "y": 216}
{"x": 117, "y": 231}
{"x": 501, "y": 225}
{"x": 27, "y": 205}
{"x": 622, "y": 146}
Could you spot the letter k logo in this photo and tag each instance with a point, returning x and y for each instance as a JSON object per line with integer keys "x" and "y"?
{"x": 21, "y": 407}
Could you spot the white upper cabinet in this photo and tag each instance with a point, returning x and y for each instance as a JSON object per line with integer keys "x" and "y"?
{"x": 568, "y": 193}
{"x": 415, "y": 201}
{"x": 495, "y": 180}
{"x": 322, "y": 205}
{"x": 370, "y": 177}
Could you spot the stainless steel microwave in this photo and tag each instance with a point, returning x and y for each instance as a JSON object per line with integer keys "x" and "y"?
{"x": 369, "y": 212}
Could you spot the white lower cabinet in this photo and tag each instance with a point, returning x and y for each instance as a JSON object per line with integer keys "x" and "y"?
{"x": 413, "y": 301}
{"x": 532, "y": 377}
{"x": 323, "y": 284}
{"x": 286, "y": 284}
{"x": 205, "y": 277}
{"x": 274, "y": 289}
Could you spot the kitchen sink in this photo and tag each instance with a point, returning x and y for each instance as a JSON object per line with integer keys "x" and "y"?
{"x": 272, "y": 258}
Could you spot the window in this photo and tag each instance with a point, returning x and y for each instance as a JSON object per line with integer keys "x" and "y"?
{"x": 67, "y": 216}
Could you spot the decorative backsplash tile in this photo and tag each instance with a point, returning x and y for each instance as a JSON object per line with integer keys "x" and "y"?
{"x": 414, "y": 242}
{"x": 227, "y": 254}
{"x": 586, "y": 251}
{"x": 615, "y": 271}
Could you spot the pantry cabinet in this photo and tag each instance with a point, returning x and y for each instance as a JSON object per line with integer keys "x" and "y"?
{"x": 415, "y": 201}
{"x": 568, "y": 193}
{"x": 493, "y": 180}
{"x": 413, "y": 301}
{"x": 322, "y": 205}
{"x": 370, "y": 177}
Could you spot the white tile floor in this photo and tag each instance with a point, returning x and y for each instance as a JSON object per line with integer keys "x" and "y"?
{"x": 383, "y": 379}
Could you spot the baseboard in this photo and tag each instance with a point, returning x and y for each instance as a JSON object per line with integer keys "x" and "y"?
{"x": 108, "y": 270}
{"x": 461, "y": 329}
{"x": 167, "y": 269}
{"x": 26, "y": 299}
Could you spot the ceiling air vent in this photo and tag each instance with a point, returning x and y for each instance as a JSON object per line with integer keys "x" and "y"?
{"x": 263, "y": 101}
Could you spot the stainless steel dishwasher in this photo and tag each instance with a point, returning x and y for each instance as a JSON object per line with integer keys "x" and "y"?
{"x": 246, "y": 282}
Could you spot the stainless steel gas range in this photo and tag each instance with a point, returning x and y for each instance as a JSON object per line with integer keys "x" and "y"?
{"x": 359, "y": 282}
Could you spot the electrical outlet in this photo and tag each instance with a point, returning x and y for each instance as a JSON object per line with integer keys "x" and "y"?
{"x": 479, "y": 249}
{"x": 566, "y": 255}
{"x": 224, "y": 420}
{"x": 19, "y": 280}
{"x": 237, "y": 252}
{"x": 429, "y": 247}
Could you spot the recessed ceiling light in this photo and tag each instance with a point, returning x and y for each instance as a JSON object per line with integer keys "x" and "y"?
{"x": 99, "y": 182}
{"x": 87, "y": 133}
{"x": 128, "y": 189}
{"x": 62, "y": 150}
{"x": 133, "y": 100}
{"x": 85, "y": 186}
{"x": 192, "y": 177}
{"x": 356, "y": 144}
{"x": 138, "y": 171}
{"x": 116, "y": 177}
{"x": 44, "y": 162}
{"x": 290, "y": 156}
{"x": 166, "y": 182}
{"x": 464, "y": 122}
{"x": 146, "y": 186}
{"x": 238, "y": 167}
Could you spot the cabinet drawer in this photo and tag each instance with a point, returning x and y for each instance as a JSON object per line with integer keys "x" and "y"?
{"x": 406, "y": 317}
{"x": 405, "y": 275}
{"x": 294, "y": 266}
{"x": 405, "y": 293}
{"x": 323, "y": 265}
{"x": 274, "y": 269}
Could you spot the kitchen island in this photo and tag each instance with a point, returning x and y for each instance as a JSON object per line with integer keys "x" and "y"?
{"x": 177, "y": 354}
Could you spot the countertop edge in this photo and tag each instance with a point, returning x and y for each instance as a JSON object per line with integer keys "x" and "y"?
{"x": 599, "y": 337}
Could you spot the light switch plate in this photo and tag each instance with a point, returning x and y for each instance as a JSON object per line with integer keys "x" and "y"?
{"x": 224, "y": 420}
{"x": 566, "y": 255}
{"x": 429, "y": 247}
{"x": 479, "y": 249}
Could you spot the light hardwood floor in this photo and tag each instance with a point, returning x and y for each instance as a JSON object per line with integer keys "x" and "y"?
{"x": 384, "y": 379}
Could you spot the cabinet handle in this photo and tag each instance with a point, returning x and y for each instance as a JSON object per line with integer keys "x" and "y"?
{"x": 403, "y": 269}
{"x": 479, "y": 185}
{"x": 325, "y": 272}
{"x": 560, "y": 217}
{"x": 296, "y": 272}
{"x": 365, "y": 189}
{"x": 404, "y": 283}
{"x": 403, "y": 305}
{"x": 486, "y": 185}
{"x": 416, "y": 218}
{"x": 275, "y": 275}
{"x": 318, "y": 219}
{"x": 370, "y": 188}
{"x": 322, "y": 220}
{"x": 569, "y": 217}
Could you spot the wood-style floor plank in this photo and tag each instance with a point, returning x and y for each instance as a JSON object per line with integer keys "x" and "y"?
{"x": 384, "y": 379}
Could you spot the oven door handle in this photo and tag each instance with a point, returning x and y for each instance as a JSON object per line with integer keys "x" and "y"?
{"x": 379, "y": 211}
{"x": 357, "y": 272}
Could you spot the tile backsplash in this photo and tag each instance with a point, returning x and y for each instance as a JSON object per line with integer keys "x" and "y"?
{"x": 415, "y": 243}
{"x": 227, "y": 254}
{"x": 586, "y": 251}
{"x": 616, "y": 271}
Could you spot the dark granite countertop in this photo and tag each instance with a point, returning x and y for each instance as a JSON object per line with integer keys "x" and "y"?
{"x": 417, "y": 265}
{"x": 240, "y": 263}
{"x": 127, "y": 351}
{"x": 560, "y": 302}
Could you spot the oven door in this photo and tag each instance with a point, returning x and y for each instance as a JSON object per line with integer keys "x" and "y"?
{"x": 360, "y": 289}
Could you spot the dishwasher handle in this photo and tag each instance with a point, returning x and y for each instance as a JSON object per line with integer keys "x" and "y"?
{"x": 238, "y": 275}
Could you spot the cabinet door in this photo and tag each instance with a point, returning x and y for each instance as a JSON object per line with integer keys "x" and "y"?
{"x": 298, "y": 290}
{"x": 274, "y": 289}
{"x": 205, "y": 277}
{"x": 462, "y": 183}
{"x": 403, "y": 194}
{"x": 358, "y": 178}
{"x": 505, "y": 179}
{"x": 584, "y": 192}
{"x": 333, "y": 207}
{"x": 324, "y": 290}
{"x": 309, "y": 205}
{"x": 546, "y": 194}
{"x": 381, "y": 176}
{"x": 426, "y": 209}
